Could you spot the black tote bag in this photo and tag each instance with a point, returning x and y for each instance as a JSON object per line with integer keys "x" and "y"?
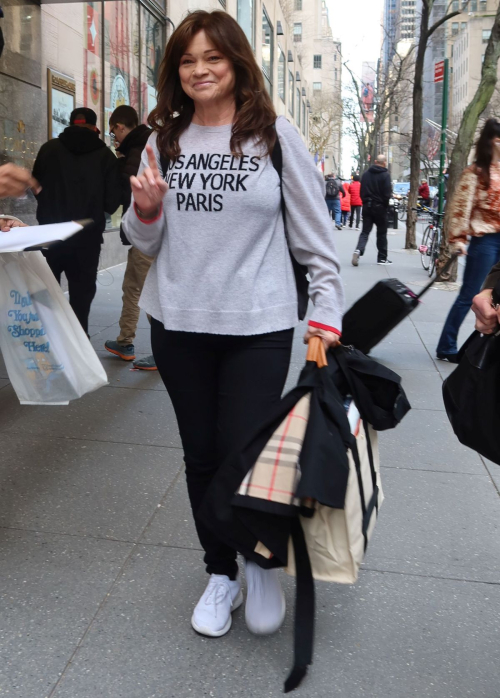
{"x": 471, "y": 393}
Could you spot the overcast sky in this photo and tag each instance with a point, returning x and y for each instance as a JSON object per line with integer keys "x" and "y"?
{"x": 357, "y": 24}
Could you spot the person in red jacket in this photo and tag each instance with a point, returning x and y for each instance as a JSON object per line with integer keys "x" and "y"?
{"x": 345, "y": 204}
{"x": 424, "y": 193}
{"x": 356, "y": 202}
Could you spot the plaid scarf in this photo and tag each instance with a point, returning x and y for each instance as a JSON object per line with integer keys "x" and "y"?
{"x": 276, "y": 474}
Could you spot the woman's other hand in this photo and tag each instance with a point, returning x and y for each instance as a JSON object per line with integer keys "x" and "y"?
{"x": 15, "y": 181}
{"x": 149, "y": 188}
{"x": 459, "y": 248}
{"x": 330, "y": 339}
{"x": 487, "y": 318}
{"x": 6, "y": 224}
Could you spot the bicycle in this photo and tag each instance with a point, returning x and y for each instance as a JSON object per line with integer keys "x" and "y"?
{"x": 425, "y": 210}
{"x": 431, "y": 242}
{"x": 403, "y": 208}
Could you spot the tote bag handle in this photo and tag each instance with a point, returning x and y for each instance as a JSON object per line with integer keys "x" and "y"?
{"x": 316, "y": 352}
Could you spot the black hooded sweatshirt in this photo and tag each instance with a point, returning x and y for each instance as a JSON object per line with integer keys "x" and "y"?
{"x": 376, "y": 187}
{"x": 131, "y": 149}
{"x": 80, "y": 178}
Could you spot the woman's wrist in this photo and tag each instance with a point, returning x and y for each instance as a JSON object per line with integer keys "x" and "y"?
{"x": 148, "y": 215}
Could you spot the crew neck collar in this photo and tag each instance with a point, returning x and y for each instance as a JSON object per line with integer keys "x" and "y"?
{"x": 212, "y": 129}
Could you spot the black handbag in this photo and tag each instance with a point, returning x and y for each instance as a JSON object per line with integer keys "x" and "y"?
{"x": 471, "y": 393}
{"x": 378, "y": 312}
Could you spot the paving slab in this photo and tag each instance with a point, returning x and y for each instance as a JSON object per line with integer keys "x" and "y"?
{"x": 397, "y": 356}
{"x": 50, "y": 589}
{"x": 142, "y": 644}
{"x": 84, "y": 488}
{"x": 423, "y": 389}
{"x": 172, "y": 524}
{"x": 95, "y": 329}
{"x": 438, "y": 524}
{"x": 425, "y": 441}
{"x": 4, "y": 382}
{"x": 126, "y": 416}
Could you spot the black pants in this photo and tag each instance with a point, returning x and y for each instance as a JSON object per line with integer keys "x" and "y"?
{"x": 221, "y": 387}
{"x": 344, "y": 216}
{"x": 374, "y": 215}
{"x": 80, "y": 266}
{"x": 357, "y": 210}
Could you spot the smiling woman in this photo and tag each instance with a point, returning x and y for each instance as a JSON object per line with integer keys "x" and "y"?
{"x": 222, "y": 292}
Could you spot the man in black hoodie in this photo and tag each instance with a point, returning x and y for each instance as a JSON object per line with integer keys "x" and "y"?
{"x": 130, "y": 140}
{"x": 80, "y": 179}
{"x": 376, "y": 191}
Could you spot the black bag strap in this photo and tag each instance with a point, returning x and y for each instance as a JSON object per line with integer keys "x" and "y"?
{"x": 495, "y": 293}
{"x": 299, "y": 270}
{"x": 304, "y": 609}
{"x": 439, "y": 274}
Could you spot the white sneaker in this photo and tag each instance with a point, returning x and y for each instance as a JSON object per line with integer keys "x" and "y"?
{"x": 212, "y": 615}
{"x": 355, "y": 258}
{"x": 265, "y": 608}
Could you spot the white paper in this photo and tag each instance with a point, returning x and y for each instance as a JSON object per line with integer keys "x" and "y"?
{"x": 18, "y": 239}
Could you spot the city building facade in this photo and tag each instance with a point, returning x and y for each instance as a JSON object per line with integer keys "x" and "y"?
{"x": 320, "y": 56}
{"x": 462, "y": 40}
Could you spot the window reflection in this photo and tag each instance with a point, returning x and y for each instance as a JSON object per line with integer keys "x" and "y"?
{"x": 267, "y": 51}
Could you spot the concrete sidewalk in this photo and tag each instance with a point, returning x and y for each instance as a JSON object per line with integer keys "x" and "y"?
{"x": 100, "y": 566}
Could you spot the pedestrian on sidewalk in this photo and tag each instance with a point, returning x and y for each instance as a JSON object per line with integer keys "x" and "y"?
{"x": 356, "y": 201}
{"x": 221, "y": 291}
{"x": 475, "y": 214}
{"x": 332, "y": 197}
{"x": 80, "y": 179}
{"x": 425, "y": 193}
{"x": 345, "y": 204}
{"x": 130, "y": 140}
{"x": 376, "y": 191}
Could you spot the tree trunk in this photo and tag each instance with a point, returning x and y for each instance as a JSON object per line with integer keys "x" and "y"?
{"x": 411, "y": 219}
{"x": 466, "y": 132}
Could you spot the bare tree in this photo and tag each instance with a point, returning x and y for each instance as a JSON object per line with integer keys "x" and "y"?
{"x": 468, "y": 126}
{"x": 325, "y": 123}
{"x": 425, "y": 34}
{"x": 367, "y": 123}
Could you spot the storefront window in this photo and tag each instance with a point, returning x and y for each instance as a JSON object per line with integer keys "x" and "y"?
{"x": 267, "y": 51}
{"x": 121, "y": 52}
{"x": 281, "y": 74}
{"x": 92, "y": 62}
{"x": 245, "y": 17}
{"x": 152, "y": 36}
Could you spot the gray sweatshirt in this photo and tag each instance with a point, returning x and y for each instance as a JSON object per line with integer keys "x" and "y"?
{"x": 222, "y": 263}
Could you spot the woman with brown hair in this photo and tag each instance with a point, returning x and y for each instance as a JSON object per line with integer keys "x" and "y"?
{"x": 475, "y": 213}
{"x": 221, "y": 291}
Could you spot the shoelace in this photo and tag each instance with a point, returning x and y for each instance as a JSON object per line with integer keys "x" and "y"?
{"x": 216, "y": 593}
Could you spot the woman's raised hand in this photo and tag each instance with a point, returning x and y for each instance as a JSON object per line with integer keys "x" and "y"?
{"x": 149, "y": 187}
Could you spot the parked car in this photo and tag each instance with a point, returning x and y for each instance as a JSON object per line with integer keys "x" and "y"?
{"x": 400, "y": 189}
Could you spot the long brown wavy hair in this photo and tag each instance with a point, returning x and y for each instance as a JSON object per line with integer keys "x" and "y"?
{"x": 485, "y": 148}
{"x": 255, "y": 115}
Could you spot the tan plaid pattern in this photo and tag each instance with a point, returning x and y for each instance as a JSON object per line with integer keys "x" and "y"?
{"x": 276, "y": 473}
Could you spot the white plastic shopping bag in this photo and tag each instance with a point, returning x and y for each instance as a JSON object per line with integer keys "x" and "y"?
{"x": 48, "y": 356}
